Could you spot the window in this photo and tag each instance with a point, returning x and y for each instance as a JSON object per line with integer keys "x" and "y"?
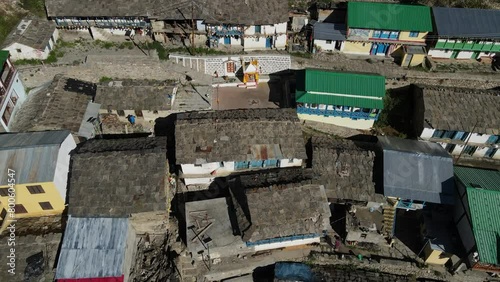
{"x": 394, "y": 35}
{"x": 4, "y": 192}
{"x": 155, "y": 112}
{"x": 258, "y": 29}
{"x": 385, "y": 34}
{"x": 328, "y": 42}
{"x": 19, "y": 50}
{"x": 221, "y": 164}
{"x": 197, "y": 165}
{"x": 449, "y": 134}
{"x": 376, "y": 34}
{"x": 45, "y": 206}
{"x": 450, "y": 147}
{"x": 491, "y": 152}
{"x": 35, "y": 189}
{"x": 20, "y": 209}
{"x": 413, "y": 33}
{"x": 470, "y": 150}
{"x": 121, "y": 113}
{"x": 138, "y": 113}
{"x": 230, "y": 67}
{"x": 438, "y": 133}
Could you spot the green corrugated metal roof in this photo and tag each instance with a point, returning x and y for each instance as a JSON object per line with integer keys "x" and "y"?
{"x": 355, "y": 84}
{"x": 487, "y": 179}
{"x": 484, "y": 206}
{"x": 388, "y": 16}
{"x": 305, "y": 97}
{"x": 4, "y": 55}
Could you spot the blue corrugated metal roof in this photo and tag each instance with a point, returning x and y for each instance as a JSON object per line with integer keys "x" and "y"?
{"x": 467, "y": 23}
{"x": 424, "y": 173}
{"x": 329, "y": 31}
{"x": 32, "y": 155}
{"x": 93, "y": 248}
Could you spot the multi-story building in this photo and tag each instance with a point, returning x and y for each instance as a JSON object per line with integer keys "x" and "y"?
{"x": 477, "y": 216}
{"x": 346, "y": 99}
{"x": 462, "y": 33}
{"x": 12, "y": 93}
{"x": 391, "y": 30}
{"x": 464, "y": 121}
{"x": 37, "y": 163}
{"x": 210, "y": 144}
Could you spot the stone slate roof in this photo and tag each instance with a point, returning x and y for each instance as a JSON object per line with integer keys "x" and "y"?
{"x": 236, "y": 132}
{"x": 451, "y": 108}
{"x": 271, "y": 214}
{"x": 61, "y": 105}
{"x": 344, "y": 168}
{"x": 213, "y": 11}
{"x": 35, "y": 35}
{"x": 131, "y": 94}
{"x": 118, "y": 177}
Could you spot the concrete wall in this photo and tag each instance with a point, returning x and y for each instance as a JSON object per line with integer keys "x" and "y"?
{"x": 427, "y": 133}
{"x": 16, "y": 87}
{"x": 130, "y": 252}
{"x": 437, "y": 53}
{"x": 465, "y": 55}
{"x": 62, "y": 166}
{"x": 405, "y": 36}
{"x": 286, "y": 244}
{"x": 416, "y": 60}
{"x": 324, "y": 46}
{"x": 340, "y": 121}
{"x": 146, "y": 115}
{"x": 290, "y": 163}
{"x": 477, "y": 138}
{"x": 357, "y": 48}
{"x": 433, "y": 256}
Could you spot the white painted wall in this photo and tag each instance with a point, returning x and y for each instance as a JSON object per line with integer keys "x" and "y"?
{"x": 464, "y": 55}
{"x": 324, "y": 46}
{"x": 62, "y": 165}
{"x": 255, "y": 43}
{"x": 26, "y": 52}
{"x": 427, "y": 133}
{"x": 340, "y": 121}
{"x": 280, "y": 43}
{"x": 290, "y": 162}
{"x": 479, "y": 153}
{"x": 16, "y": 87}
{"x": 437, "y": 53}
{"x": 497, "y": 155}
{"x": 208, "y": 168}
{"x": 286, "y": 244}
{"x": 199, "y": 181}
{"x": 476, "y": 138}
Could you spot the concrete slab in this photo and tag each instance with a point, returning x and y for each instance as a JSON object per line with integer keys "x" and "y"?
{"x": 225, "y": 98}
{"x": 209, "y": 229}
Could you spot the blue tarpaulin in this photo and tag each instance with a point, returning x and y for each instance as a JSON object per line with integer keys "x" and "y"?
{"x": 293, "y": 271}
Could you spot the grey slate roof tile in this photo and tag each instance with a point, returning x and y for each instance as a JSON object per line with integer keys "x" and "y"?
{"x": 460, "y": 109}
{"x": 130, "y": 94}
{"x": 273, "y": 216}
{"x": 61, "y": 105}
{"x": 36, "y": 35}
{"x": 235, "y": 131}
{"x": 345, "y": 169}
{"x": 214, "y": 11}
{"x": 117, "y": 177}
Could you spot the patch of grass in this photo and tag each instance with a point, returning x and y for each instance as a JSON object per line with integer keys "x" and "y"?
{"x": 160, "y": 50}
{"x": 66, "y": 44}
{"x": 7, "y": 23}
{"x": 35, "y": 7}
{"x": 301, "y": 54}
{"x": 105, "y": 79}
{"x": 52, "y": 58}
{"x": 126, "y": 44}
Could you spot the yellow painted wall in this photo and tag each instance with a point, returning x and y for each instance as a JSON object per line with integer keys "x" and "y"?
{"x": 357, "y": 47}
{"x": 432, "y": 256}
{"x": 31, "y": 201}
{"x": 405, "y": 36}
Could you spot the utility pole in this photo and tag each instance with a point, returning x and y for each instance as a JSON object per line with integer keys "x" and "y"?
{"x": 192, "y": 27}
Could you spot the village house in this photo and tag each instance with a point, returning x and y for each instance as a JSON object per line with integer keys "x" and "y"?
{"x": 211, "y": 144}
{"x": 96, "y": 249}
{"x": 389, "y": 30}
{"x": 464, "y": 121}
{"x": 413, "y": 173}
{"x": 462, "y": 33}
{"x": 477, "y": 216}
{"x": 346, "y": 169}
{"x": 248, "y": 220}
{"x": 145, "y": 100}
{"x": 346, "y": 99}
{"x": 33, "y": 38}
{"x": 65, "y": 103}
{"x": 328, "y": 37}
{"x": 12, "y": 93}
{"x": 328, "y": 12}
{"x": 119, "y": 177}
{"x": 39, "y": 164}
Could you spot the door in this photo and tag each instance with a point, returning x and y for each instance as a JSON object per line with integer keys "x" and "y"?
{"x": 373, "y": 51}
{"x": 381, "y": 49}
{"x": 454, "y": 54}
{"x": 407, "y": 61}
{"x": 269, "y": 42}
{"x": 227, "y": 40}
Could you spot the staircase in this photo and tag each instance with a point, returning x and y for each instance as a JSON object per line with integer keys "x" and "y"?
{"x": 389, "y": 219}
{"x": 187, "y": 268}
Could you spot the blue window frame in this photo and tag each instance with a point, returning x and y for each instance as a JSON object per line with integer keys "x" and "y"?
{"x": 258, "y": 29}
{"x": 256, "y": 163}
{"x": 493, "y": 139}
{"x": 459, "y": 135}
{"x": 385, "y": 34}
{"x": 413, "y": 33}
{"x": 241, "y": 165}
{"x": 394, "y": 35}
{"x": 376, "y": 34}
{"x": 438, "y": 133}
{"x": 449, "y": 134}
{"x": 491, "y": 152}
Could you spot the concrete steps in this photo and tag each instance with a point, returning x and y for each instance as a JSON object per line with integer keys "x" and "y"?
{"x": 389, "y": 213}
